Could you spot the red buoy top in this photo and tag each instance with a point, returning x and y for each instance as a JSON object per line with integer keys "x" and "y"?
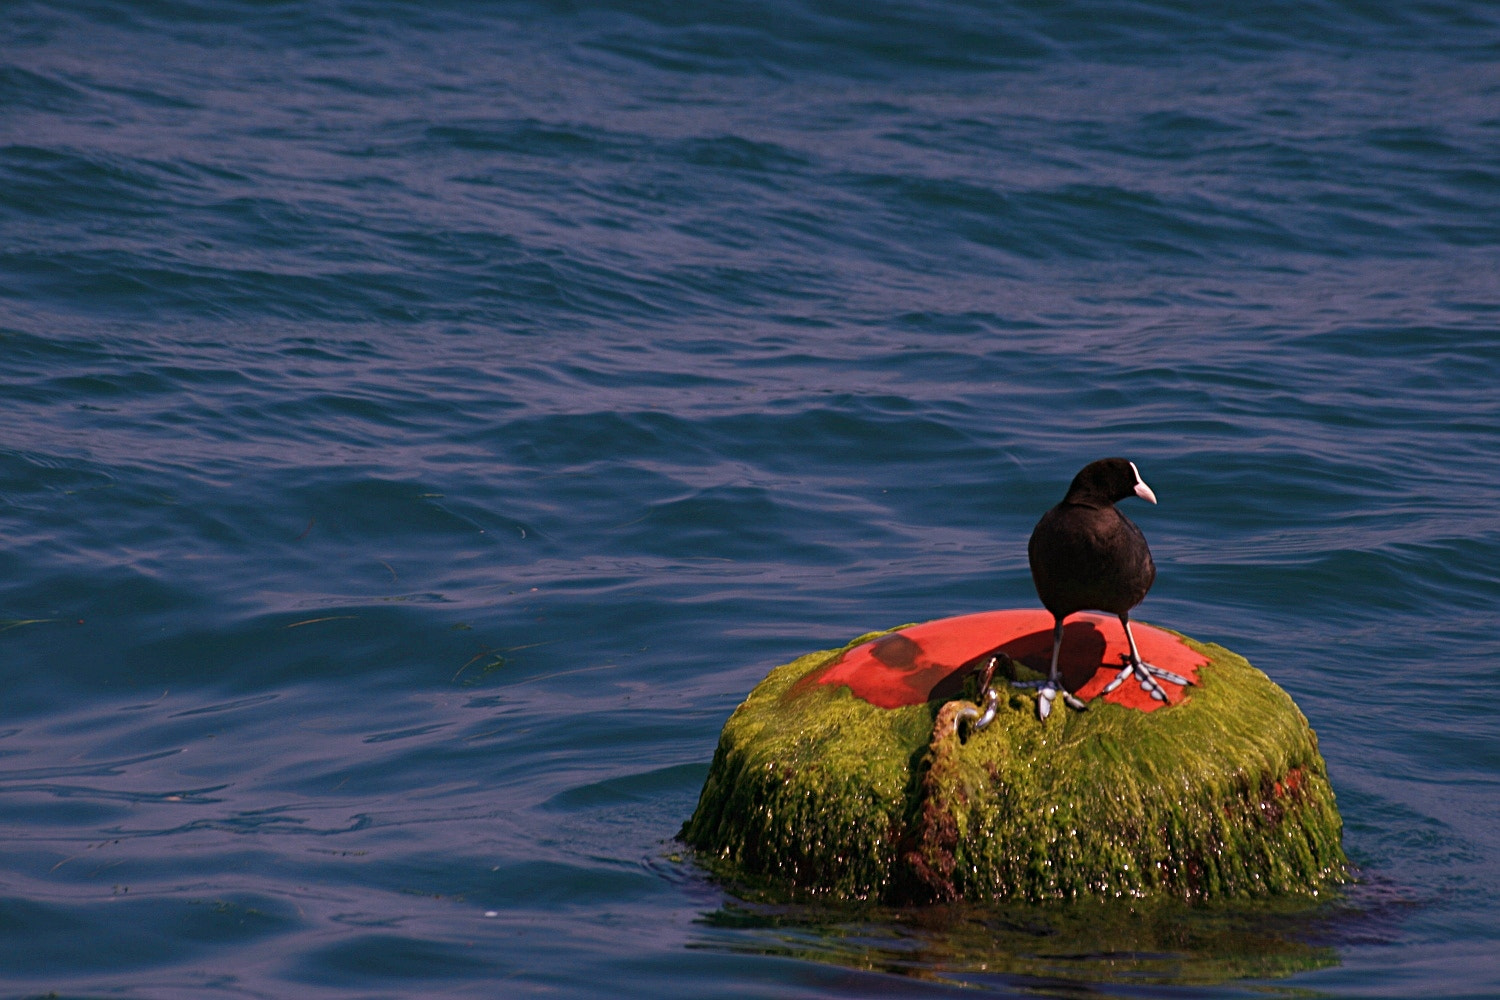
{"x": 927, "y": 661}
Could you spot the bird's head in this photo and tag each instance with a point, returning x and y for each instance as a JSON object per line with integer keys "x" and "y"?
{"x": 1109, "y": 480}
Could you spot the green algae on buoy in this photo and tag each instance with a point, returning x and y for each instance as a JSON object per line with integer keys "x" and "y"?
{"x": 845, "y": 774}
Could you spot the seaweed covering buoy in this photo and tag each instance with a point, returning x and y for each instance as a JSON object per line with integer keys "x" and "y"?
{"x": 844, "y": 774}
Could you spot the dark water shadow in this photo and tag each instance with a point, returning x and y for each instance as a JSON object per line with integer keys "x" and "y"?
{"x": 1095, "y": 948}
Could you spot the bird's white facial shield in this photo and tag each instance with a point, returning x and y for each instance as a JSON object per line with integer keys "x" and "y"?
{"x": 1141, "y": 489}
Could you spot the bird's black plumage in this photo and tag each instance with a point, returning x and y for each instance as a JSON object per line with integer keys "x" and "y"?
{"x": 1087, "y": 556}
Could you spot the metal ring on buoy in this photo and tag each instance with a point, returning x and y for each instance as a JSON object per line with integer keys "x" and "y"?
{"x": 980, "y": 719}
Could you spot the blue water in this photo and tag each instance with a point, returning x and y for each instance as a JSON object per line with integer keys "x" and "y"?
{"x": 422, "y": 423}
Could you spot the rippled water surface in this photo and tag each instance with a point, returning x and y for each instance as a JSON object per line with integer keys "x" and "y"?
{"x": 422, "y": 423}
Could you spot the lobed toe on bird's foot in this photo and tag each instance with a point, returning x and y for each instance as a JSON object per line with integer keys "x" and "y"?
{"x": 1146, "y": 675}
{"x": 1167, "y": 675}
{"x": 1045, "y": 694}
{"x": 1049, "y": 691}
{"x": 1125, "y": 672}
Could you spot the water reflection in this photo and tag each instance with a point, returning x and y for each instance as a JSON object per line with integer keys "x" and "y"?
{"x": 1065, "y": 949}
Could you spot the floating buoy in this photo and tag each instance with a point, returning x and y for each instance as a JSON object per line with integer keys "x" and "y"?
{"x": 848, "y": 773}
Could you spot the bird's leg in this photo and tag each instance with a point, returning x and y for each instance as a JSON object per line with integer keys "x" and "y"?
{"x": 1052, "y": 686}
{"x": 1144, "y": 672}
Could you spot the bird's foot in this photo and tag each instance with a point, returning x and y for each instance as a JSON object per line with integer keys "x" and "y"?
{"x": 1146, "y": 675}
{"x": 1048, "y": 692}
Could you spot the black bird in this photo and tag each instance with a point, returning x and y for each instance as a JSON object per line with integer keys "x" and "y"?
{"x": 1087, "y": 556}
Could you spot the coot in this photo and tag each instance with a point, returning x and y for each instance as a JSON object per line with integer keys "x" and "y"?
{"x": 1087, "y": 556}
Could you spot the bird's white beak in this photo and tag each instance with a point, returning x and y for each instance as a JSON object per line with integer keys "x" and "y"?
{"x": 1141, "y": 489}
